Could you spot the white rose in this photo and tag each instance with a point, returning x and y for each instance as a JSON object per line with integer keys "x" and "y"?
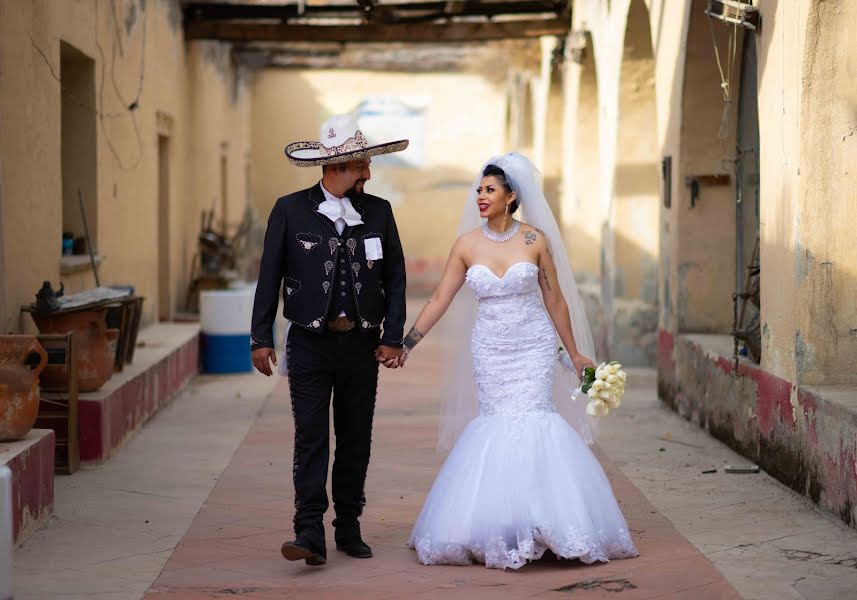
{"x": 601, "y": 374}
{"x": 597, "y": 409}
{"x": 592, "y": 392}
{"x": 612, "y": 378}
{"x": 621, "y": 374}
{"x": 612, "y": 369}
{"x": 603, "y": 394}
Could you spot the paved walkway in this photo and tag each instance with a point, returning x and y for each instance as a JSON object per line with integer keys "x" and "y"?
{"x": 233, "y": 544}
{"x": 197, "y": 505}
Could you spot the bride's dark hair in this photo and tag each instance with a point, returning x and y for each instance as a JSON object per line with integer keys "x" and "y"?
{"x": 500, "y": 175}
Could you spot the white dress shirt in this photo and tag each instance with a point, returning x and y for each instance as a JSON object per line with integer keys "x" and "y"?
{"x": 338, "y": 210}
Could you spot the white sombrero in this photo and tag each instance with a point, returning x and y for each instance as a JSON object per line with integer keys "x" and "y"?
{"x": 340, "y": 141}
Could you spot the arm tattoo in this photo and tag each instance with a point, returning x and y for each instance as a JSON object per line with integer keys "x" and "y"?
{"x": 547, "y": 282}
{"x": 413, "y": 338}
{"x": 529, "y": 237}
{"x": 547, "y": 242}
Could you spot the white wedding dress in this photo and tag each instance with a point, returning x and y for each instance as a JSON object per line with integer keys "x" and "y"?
{"x": 520, "y": 480}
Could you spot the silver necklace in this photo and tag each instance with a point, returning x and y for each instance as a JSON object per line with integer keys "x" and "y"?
{"x": 501, "y": 237}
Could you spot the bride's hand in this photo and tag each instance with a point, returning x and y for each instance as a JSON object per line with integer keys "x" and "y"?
{"x": 581, "y": 362}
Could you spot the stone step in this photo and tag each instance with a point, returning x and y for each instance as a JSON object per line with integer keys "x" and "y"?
{"x": 165, "y": 360}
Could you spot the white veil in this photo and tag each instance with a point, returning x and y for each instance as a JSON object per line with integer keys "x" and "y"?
{"x": 460, "y": 404}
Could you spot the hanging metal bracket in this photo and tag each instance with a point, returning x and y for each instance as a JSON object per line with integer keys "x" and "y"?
{"x": 695, "y": 182}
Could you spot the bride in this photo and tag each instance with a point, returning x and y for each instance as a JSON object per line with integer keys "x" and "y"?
{"x": 519, "y": 480}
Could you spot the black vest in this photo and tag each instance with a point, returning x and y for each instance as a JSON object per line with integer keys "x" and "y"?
{"x": 343, "y": 286}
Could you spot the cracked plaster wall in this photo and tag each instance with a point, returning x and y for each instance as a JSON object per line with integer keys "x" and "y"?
{"x": 190, "y": 92}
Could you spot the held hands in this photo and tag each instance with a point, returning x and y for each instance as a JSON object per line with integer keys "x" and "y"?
{"x": 390, "y": 357}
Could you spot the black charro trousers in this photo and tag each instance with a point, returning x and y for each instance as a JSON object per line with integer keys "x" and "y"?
{"x": 341, "y": 365}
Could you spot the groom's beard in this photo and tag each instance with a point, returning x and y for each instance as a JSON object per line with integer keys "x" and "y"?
{"x": 356, "y": 189}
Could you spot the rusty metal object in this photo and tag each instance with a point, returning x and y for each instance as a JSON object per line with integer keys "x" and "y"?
{"x": 95, "y": 356}
{"x": 22, "y": 358}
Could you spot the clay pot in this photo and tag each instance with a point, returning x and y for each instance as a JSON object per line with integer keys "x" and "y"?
{"x": 95, "y": 358}
{"x": 22, "y": 358}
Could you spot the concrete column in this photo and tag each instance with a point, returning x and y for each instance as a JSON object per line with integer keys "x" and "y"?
{"x": 541, "y": 93}
{"x": 580, "y": 176}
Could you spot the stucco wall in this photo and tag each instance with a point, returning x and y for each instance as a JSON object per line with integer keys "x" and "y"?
{"x": 789, "y": 413}
{"x": 463, "y": 127}
{"x": 824, "y": 329}
{"x": 135, "y": 45}
{"x": 806, "y": 66}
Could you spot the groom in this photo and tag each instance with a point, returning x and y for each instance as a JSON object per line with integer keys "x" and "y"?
{"x": 336, "y": 253}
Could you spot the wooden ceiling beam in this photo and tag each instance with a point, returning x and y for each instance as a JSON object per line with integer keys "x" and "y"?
{"x": 219, "y": 11}
{"x": 441, "y": 33}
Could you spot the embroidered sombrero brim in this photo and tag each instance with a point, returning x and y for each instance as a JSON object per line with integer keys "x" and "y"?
{"x": 309, "y": 154}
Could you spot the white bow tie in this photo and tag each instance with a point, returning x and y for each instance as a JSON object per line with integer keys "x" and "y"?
{"x": 340, "y": 209}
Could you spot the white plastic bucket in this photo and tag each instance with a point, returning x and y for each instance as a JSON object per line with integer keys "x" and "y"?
{"x": 226, "y": 312}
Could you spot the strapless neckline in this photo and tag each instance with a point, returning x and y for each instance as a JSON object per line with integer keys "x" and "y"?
{"x": 502, "y": 277}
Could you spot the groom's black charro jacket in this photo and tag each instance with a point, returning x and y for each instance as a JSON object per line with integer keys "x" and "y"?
{"x": 323, "y": 272}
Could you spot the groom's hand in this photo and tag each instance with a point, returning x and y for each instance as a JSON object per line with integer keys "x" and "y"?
{"x": 388, "y": 356}
{"x": 262, "y": 358}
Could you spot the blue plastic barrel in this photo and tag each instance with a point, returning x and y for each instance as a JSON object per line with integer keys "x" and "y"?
{"x": 224, "y": 353}
{"x": 225, "y": 337}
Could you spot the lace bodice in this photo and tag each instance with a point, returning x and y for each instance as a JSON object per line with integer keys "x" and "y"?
{"x": 520, "y": 278}
{"x": 514, "y": 342}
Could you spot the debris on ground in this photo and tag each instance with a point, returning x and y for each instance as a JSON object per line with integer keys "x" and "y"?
{"x": 741, "y": 469}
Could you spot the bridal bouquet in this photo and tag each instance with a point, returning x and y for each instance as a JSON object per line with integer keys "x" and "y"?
{"x": 605, "y": 386}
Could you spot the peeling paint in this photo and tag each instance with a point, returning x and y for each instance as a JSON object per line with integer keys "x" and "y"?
{"x": 804, "y": 354}
{"x": 809, "y": 406}
{"x": 666, "y": 299}
{"x": 796, "y": 435}
{"x": 174, "y": 14}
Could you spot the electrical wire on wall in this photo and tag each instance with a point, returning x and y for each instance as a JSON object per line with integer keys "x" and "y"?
{"x": 729, "y": 161}
{"x": 68, "y": 94}
{"x": 725, "y": 78}
{"x": 132, "y": 106}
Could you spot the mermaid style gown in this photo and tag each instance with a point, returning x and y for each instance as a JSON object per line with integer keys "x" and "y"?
{"x": 520, "y": 480}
